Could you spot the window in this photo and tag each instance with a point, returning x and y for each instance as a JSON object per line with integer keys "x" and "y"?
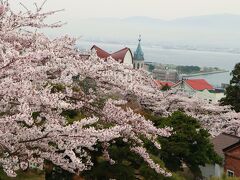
{"x": 230, "y": 173}
{"x": 138, "y": 66}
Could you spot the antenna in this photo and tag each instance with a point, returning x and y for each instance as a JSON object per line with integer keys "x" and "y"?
{"x": 140, "y": 38}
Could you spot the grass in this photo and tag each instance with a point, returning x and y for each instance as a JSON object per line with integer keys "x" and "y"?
{"x": 224, "y": 177}
{"x": 24, "y": 175}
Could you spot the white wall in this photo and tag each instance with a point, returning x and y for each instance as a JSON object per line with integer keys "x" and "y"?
{"x": 205, "y": 94}
{"x": 186, "y": 88}
{"x": 128, "y": 58}
{"x": 211, "y": 170}
{"x": 214, "y": 97}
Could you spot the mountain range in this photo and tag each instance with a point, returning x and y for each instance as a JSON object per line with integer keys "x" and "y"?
{"x": 220, "y": 30}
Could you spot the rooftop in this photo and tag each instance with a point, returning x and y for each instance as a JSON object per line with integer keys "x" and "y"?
{"x": 199, "y": 84}
{"x": 138, "y": 54}
{"x": 223, "y": 141}
{"x": 118, "y": 56}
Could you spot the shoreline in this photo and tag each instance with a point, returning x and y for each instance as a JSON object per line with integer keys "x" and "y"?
{"x": 203, "y": 73}
{"x": 161, "y": 47}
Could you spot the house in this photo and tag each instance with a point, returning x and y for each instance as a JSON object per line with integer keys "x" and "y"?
{"x": 232, "y": 160}
{"x": 123, "y": 56}
{"x": 224, "y": 145}
{"x": 191, "y": 86}
{"x": 211, "y": 95}
{"x": 200, "y": 88}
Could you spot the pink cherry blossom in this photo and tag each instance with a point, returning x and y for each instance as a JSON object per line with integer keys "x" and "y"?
{"x": 32, "y": 65}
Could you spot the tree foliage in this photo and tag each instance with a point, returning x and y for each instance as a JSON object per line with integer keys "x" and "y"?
{"x": 188, "y": 69}
{"x": 189, "y": 144}
{"x": 233, "y": 90}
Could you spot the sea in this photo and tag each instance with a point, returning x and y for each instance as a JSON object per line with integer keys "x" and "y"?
{"x": 223, "y": 60}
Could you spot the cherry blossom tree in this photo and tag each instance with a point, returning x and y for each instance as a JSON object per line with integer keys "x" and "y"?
{"x": 216, "y": 119}
{"x": 32, "y": 125}
{"x": 39, "y": 80}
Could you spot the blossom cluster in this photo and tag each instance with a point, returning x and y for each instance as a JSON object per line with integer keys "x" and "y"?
{"x": 39, "y": 80}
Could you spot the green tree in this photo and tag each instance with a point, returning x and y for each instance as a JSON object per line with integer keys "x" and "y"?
{"x": 233, "y": 91}
{"x": 189, "y": 144}
{"x": 127, "y": 165}
{"x": 166, "y": 88}
{"x": 188, "y": 69}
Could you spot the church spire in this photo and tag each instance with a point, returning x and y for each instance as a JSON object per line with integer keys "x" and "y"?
{"x": 138, "y": 54}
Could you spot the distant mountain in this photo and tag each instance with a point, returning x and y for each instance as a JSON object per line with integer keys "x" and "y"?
{"x": 221, "y": 30}
{"x": 219, "y": 20}
{"x": 142, "y": 19}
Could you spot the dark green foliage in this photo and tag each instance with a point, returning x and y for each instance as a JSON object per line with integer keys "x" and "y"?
{"x": 57, "y": 88}
{"x": 87, "y": 84}
{"x": 70, "y": 113}
{"x": 188, "y": 69}
{"x": 102, "y": 169}
{"x": 166, "y": 88}
{"x": 106, "y": 171}
{"x": 151, "y": 67}
{"x": 128, "y": 165}
{"x": 189, "y": 143}
{"x": 233, "y": 91}
{"x": 58, "y": 174}
{"x": 73, "y": 115}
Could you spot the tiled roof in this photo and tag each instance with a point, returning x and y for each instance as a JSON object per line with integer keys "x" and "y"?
{"x": 223, "y": 141}
{"x": 199, "y": 84}
{"x": 118, "y": 56}
{"x": 100, "y": 52}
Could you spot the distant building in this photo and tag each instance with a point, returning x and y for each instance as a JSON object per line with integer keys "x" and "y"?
{"x": 224, "y": 85}
{"x": 191, "y": 86}
{"x": 200, "y": 88}
{"x": 165, "y": 75}
{"x": 138, "y": 59}
{"x": 211, "y": 95}
{"x": 232, "y": 160}
{"x": 228, "y": 148}
{"x": 122, "y": 56}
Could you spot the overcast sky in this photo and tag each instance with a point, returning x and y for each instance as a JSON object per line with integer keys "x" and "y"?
{"x": 163, "y": 9}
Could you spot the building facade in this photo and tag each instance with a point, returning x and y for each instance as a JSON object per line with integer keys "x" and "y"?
{"x": 228, "y": 148}
{"x": 138, "y": 58}
{"x": 232, "y": 160}
{"x": 165, "y": 75}
{"x": 191, "y": 86}
{"x": 199, "y": 88}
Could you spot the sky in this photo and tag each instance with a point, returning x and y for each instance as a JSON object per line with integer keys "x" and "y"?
{"x": 78, "y": 24}
{"x": 163, "y": 9}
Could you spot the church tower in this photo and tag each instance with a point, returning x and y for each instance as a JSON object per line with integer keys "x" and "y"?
{"x": 138, "y": 59}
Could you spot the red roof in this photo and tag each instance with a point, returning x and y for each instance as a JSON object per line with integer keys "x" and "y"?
{"x": 199, "y": 84}
{"x": 118, "y": 56}
{"x": 164, "y": 83}
{"x": 100, "y": 52}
